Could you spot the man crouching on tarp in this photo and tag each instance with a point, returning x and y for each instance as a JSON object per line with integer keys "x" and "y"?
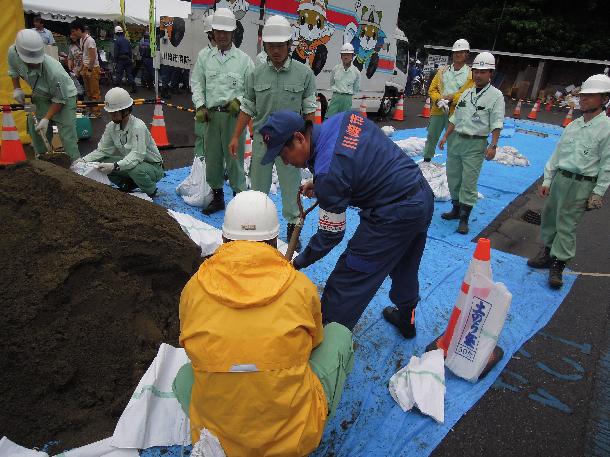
{"x": 265, "y": 374}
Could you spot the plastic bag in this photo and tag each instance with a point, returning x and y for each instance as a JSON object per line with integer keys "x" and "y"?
{"x": 478, "y": 327}
{"x": 89, "y": 170}
{"x": 195, "y": 190}
{"x": 207, "y": 446}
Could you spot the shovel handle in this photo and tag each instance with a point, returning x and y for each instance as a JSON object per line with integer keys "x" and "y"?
{"x": 293, "y": 240}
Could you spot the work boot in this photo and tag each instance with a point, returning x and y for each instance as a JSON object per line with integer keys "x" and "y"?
{"x": 289, "y": 231}
{"x": 454, "y": 213}
{"x": 128, "y": 185}
{"x": 217, "y": 203}
{"x": 464, "y": 216}
{"x": 555, "y": 273}
{"x": 542, "y": 260}
{"x": 427, "y": 159}
{"x": 403, "y": 320}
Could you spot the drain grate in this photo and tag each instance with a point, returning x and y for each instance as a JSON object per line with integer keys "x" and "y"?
{"x": 531, "y": 217}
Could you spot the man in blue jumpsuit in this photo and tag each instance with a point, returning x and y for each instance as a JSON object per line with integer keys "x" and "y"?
{"x": 355, "y": 164}
{"x": 123, "y": 58}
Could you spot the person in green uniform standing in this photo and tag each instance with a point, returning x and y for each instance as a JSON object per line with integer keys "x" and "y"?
{"x": 479, "y": 111}
{"x": 576, "y": 178}
{"x": 200, "y": 126}
{"x": 280, "y": 84}
{"x": 445, "y": 90}
{"x": 344, "y": 82}
{"x": 53, "y": 92}
{"x": 219, "y": 77}
{"x": 127, "y": 152}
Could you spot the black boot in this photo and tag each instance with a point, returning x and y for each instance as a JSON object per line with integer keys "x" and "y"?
{"x": 289, "y": 231}
{"x": 403, "y": 319}
{"x": 542, "y": 260}
{"x": 464, "y": 216}
{"x": 427, "y": 159}
{"x": 454, "y": 213}
{"x": 556, "y": 272}
{"x": 217, "y": 203}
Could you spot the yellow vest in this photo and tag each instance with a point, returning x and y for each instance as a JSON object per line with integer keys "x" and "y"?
{"x": 248, "y": 322}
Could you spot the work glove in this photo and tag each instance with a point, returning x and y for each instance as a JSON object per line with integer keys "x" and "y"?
{"x": 19, "y": 96}
{"x": 234, "y": 106}
{"x": 202, "y": 114}
{"x": 443, "y": 104}
{"x": 105, "y": 168}
{"x": 42, "y": 126}
{"x": 594, "y": 202}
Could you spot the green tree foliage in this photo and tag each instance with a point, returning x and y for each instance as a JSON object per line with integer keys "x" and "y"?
{"x": 548, "y": 27}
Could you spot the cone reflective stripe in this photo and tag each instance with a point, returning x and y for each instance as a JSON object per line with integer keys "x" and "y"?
{"x": 517, "y": 112}
{"x": 363, "y": 108}
{"x": 157, "y": 129}
{"x": 11, "y": 150}
{"x": 399, "y": 113}
{"x": 568, "y": 118}
{"x": 318, "y": 115}
{"x": 534, "y": 112}
{"x": 480, "y": 263}
{"x": 425, "y": 113}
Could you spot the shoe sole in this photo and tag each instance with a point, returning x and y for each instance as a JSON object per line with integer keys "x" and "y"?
{"x": 449, "y": 218}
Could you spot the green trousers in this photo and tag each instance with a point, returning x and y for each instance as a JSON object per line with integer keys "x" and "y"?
{"x": 435, "y": 127}
{"x": 331, "y": 361}
{"x": 562, "y": 213}
{"x": 218, "y": 133}
{"x": 145, "y": 175}
{"x": 289, "y": 177}
{"x": 65, "y": 121}
{"x": 339, "y": 104}
{"x": 464, "y": 162}
{"x": 199, "y": 139}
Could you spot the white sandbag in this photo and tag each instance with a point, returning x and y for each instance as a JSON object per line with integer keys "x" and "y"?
{"x": 89, "y": 170}
{"x": 195, "y": 190}
{"x": 436, "y": 175}
{"x": 508, "y": 155}
{"x": 412, "y": 146}
{"x": 10, "y": 449}
{"x": 208, "y": 238}
{"x": 101, "y": 448}
{"x": 388, "y": 130}
{"x": 478, "y": 327}
{"x": 421, "y": 383}
{"x": 141, "y": 195}
{"x": 207, "y": 446}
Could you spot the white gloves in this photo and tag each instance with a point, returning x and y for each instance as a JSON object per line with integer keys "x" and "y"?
{"x": 443, "y": 104}
{"x": 594, "y": 202}
{"x": 106, "y": 168}
{"x": 19, "y": 96}
{"x": 42, "y": 126}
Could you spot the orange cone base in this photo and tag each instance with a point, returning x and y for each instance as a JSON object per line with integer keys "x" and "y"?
{"x": 159, "y": 134}
{"x": 494, "y": 358}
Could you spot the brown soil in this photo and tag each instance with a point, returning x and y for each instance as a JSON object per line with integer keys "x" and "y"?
{"x": 90, "y": 280}
{"x": 58, "y": 158}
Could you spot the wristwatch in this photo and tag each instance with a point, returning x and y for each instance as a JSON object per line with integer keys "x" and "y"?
{"x": 116, "y": 167}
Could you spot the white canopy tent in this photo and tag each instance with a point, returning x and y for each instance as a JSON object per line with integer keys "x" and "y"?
{"x": 136, "y": 11}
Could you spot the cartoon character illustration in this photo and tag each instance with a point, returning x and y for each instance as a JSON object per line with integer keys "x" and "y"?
{"x": 367, "y": 39}
{"x": 174, "y": 29}
{"x": 311, "y": 32}
{"x": 239, "y": 8}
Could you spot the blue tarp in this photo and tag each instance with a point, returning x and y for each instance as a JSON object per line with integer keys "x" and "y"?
{"x": 368, "y": 422}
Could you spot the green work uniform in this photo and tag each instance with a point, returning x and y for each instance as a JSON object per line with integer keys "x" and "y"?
{"x": 200, "y": 126}
{"x": 50, "y": 84}
{"x": 583, "y": 151}
{"x": 344, "y": 84}
{"x": 448, "y": 81}
{"x": 219, "y": 78}
{"x": 476, "y": 115}
{"x": 134, "y": 151}
{"x": 268, "y": 90}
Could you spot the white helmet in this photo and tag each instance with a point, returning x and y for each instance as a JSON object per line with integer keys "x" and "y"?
{"x": 277, "y": 30}
{"x": 29, "y": 46}
{"x": 347, "y": 48}
{"x": 117, "y": 99}
{"x": 596, "y": 84}
{"x": 251, "y": 216}
{"x": 461, "y": 45}
{"x": 484, "y": 61}
{"x": 224, "y": 19}
{"x": 118, "y": 29}
{"x": 207, "y": 23}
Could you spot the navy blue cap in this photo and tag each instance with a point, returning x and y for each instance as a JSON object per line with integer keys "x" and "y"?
{"x": 279, "y": 128}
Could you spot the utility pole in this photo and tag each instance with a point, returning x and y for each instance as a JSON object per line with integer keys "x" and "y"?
{"x": 498, "y": 28}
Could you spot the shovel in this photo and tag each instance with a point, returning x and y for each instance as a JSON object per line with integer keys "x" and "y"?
{"x": 299, "y": 225}
{"x": 31, "y": 110}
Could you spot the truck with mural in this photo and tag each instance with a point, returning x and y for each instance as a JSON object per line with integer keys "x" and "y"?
{"x": 320, "y": 28}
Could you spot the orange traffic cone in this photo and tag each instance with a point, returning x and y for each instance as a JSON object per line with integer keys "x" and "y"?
{"x": 480, "y": 263}
{"x": 248, "y": 150}
{"x": 549, "y": 105}
{"x": 12, "y": 149}
{"x": 399, "y": 112}
{"x": 363, "y": 108}
{"x": 534, "y": 112}
{"x": 158, "y": 130}
{"x": 425, "y": 113}
{"x": 517, "y": 111}
{"x": 318, "y": 115}
{"x": 568, "y": 118}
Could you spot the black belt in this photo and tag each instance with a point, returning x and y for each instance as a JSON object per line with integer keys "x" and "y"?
{"x": 472, "y": 137}
{"x": 577, "y": 177}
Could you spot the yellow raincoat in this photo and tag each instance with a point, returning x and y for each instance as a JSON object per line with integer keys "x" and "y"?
{"x": 435, "y": 91}
{"x": 249, "y": 323}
